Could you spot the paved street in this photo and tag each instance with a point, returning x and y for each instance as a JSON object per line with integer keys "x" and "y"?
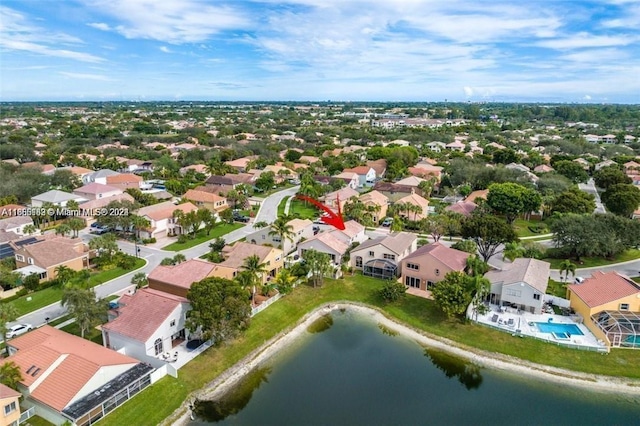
{"x": 268, "y": 212}
{"x": 590, "y": 188}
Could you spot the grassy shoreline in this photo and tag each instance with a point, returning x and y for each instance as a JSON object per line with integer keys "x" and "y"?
{"x": 158, "y": 402}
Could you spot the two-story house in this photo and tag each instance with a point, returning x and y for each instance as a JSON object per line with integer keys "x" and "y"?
{"x": 96, "y": 191}
{"x": 43, "y": 257}
{"x": 124, "y": 181}
{"x": 300, "y": 229}
{"x": 339, "y": 197}
{"x": 177, "y": 279}
{"x": 381, "y": 257}
{"x": 9, "y": 406}
{"x": 428, "y": 265}
{"x": 55, "y": 197}
{"x": 377, "y": 203}
{"x": 366, "y": 175}
{"x": 206, "y": 199}
{"x": 521, "y": 284}
{"x": 147, "y": 324}
{"x": 15, "y": 224}
{"x": 161, "y": 217}
{"x": 350, "y": 179}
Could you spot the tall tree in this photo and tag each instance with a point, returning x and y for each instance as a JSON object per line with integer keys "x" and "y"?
{"x": 257, "y": 270}
{"x": 567, "y": 267}
{"x": 64, "y": 274}
{"x": 488, "y": 232}
{"x": 219, "y": 308}
{"x": 609, "y": 176}
{"x": 511, "y": 199}
{"x": 75, "y": 225}
{"x": 622, "y": 199}
{"x": 284, "y": 281}
{"x": 571, "y": 170}
{"x": 573, "y": 200}
{"x": 140, "y": 280}
{"x": 319, "y": 265}
{"x": 282, "y": 229}
{"x": 8, "y": 313}
{"x": 82, "y": 305}
{"x": 452, "y": 294}
{"x": 138, "y": 224}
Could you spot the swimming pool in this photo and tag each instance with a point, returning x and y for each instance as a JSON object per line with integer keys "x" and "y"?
{"x": 550, "y": 327}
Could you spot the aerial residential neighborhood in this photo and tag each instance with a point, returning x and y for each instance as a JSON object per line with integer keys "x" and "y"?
{"x": 117, "y": 257}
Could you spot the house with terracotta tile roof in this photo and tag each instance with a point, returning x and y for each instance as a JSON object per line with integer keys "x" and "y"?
{"x": 480, "y": 193}
{"x": 241, "y": 164}
{"x": 382, "y": 257}
{"x": 43, "y": 257}
{"x": 177, "y": 279}
{"x": 543, "y": 168}
{"x": 394, "y": 192}
{"x": 9, "y": 406}
{"x": 235, "y": 255}
{"x": 281, "y": 173}
{"x": 426, "y": 266}
{"x": 380, "y": 167}
{"x": 147, "y": 324}
{"x": 353, "y": 232}
{"x": 300, "y": 228}
{"x": 94, "y": 205}
{"x": 415, "y": 200}
{"x": 68, "y": 378}
{"x": 366, "y": 175}
{"x": 465, "y": 208}
{"x": 15, "y": 223}
{"x": 411, "y": 181}
{"x": 96, "y": 191}
{"x": 521, "y": 284}
{"x": 308, "y": 159}
{"x": 425, "y": 171}
{"x": 230, "y": 181}
{"x": 609, "y": 304}
{"x": 197, "y": 168}
{"x": 124, "y": 181}
{"x": 377, "y": 201}
{"x": 163, "y": 223}
{"x": 206, "y": 200}
{"x": 325, "y": 242}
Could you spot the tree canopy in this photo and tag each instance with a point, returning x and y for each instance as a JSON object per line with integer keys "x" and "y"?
{"x": 622, "y": 199}
{"x": 511, "y": 199}
{"x": 488, "y": 232}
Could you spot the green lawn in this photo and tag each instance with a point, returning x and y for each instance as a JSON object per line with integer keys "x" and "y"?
{"x": 303, "y": 210}
{"x": 36, "y": 421}
{"x": 522, "y": 228}
{"x": 282, "y": 205}
{"x": 160, "y": 400}
{"x": 202, "y": 237}
{"x": 557, "y": 288}
{"x": 47, "y": 296}
{"x": 590, "y": 262}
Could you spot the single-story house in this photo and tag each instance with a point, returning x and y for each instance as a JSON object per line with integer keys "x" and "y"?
{"x": 147, "y": 324}
{"x": 465, "y": 208}
{"x": 124, "y": 181}
{"x": 521, "y": 284}
{"x": 415, "y": 200}
{"x": 609, "y": 304}
{"x": 177, "y": 279}
{"x": 427, "y": 265}
{"x": 71, "y": 379}
{"x": 394, "y": 192}
{"x": 381, "y": 257}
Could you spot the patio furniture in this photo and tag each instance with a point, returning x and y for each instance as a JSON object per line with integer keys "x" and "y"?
{"x": 511, "y": 322}
{"x": 494, "y": 318}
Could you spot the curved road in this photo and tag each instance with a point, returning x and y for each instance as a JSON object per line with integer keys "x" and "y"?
{"x": 268, "y": 213}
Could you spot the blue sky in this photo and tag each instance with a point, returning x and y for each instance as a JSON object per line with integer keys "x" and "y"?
{"x": 410, "y": 50}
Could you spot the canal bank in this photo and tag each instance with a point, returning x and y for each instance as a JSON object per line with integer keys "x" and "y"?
{"x": 232, "y": 376}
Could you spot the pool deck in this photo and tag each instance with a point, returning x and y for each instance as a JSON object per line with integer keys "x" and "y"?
{"x": 521, "y": 321}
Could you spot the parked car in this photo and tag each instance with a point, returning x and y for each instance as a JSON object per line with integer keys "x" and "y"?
{"x": 18, "y": 329}
{"x": 100, "y": 229}
{"x": 579, "y": 280}
{"x": 240, "y": 217}
{"x": 387, "y": 222}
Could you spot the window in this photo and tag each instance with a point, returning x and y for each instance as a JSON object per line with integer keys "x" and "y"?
{"x": 412, "y": 282}
{"x": 158, "y": 346}
{"x": 515, "y": 293}
{"x": 30, "y": 261}
{"x": 413, "y": 266}
{"x": 536, "y": 297}
{"x": 371, "y": 254}
{"x": 624, "y": 306}
{"x": 389, "y": 256}
{"x": 430, "y": 285}
{"x": 263, "y": 237}
{"x": 10, "y": 408}
{"x": 437, "y": 272}
{"x": 358, "y": 261}
{"x": 172, "y": 323}
{"x": 19, "y": 258}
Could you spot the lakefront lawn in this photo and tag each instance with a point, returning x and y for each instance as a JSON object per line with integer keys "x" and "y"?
{"x": 157, "y": 402}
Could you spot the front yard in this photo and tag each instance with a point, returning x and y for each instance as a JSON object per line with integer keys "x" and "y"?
{"x": 41, "y": 298}
{"x": 160, "y": 400}
{"x": 202, "y": 237}
{"x": 590, "y": 262}
{"x": 529, "y": 228}
{"x": 299, "y": 209}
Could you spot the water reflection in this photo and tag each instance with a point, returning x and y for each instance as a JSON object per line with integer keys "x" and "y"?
{"x": 467, "y": 373}
{"x": 387, "y": 331}
{"x": 234, "y": 400}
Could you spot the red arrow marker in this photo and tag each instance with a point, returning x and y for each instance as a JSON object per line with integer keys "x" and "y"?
{"x": 333, "y": 219}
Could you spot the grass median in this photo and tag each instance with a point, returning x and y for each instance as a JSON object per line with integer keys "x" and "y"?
{"x": 202, "y": 237}
{"x": 592, "y": 262}
{"x": 160, "y": 400}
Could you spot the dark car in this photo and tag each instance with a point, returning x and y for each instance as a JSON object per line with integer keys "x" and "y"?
{"x": 240, "y": 217}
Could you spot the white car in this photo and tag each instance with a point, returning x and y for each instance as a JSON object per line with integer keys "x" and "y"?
{"x": 18, "y": 329}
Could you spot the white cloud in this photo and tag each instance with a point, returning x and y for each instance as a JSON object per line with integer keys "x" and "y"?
{"x": 165, "y": 49}
{"x": 171, "y": 21}
{"x": 84, "y": 76}
{"x": 584, "y": 40}
{"x": 100, "y": 26}
{"x": 468, "y": 91}
{"x": 586, "y": 97}
{"x": 17, "y": 34}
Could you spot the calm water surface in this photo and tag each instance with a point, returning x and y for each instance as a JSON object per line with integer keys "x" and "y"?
{"x": 350, "y": 371}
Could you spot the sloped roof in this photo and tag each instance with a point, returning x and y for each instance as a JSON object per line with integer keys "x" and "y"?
{"x": 415, "y": 199}
{"x": 78, "y": 360}
{"x": 7, "y": 392}
{"x": 454, "y": 259}
{"x": 352, "y": 228}
{"x": 96, "y": 188}
{"x": 203, "y": 196}
{"x": 481, "y": 193}
{"x": 183, "y": 274}
{"x": 236, "y": 254}
{"x": 465, "y": 208}
{"x": 410, "y": 181}
{"x": 602, "y": 288}
{"x": 299, "y": 224}
{"x": 344, "y": 194}
{"x": 53, "y": 252}
{"x": 140, "y": 315}
{"x": 360, "y": 170}
{"x": 397, "y": 242}
{"x": 14, "y": 221}
{"x": 167, "y": 211}
{"x": 378, "y": 165}
{"x": 374, "y": 197}
{"x": 329, "y": 240}
{"x": 103, "y": 202}
{"x": 56, "y": 196}
{"x": 531, "y": 271}
{"x": 123, "y": 178}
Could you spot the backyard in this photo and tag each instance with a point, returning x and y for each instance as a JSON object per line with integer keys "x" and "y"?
{"x": 202, "y": 237}
{"x": 160, "y": 400}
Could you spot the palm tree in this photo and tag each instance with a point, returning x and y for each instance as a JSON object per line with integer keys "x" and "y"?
{"x": 83, "y": 306}
{"x": 63, "y": 229}
{"x": 30, "y": 229}
{"x": 140, "y": 280}
{"x": 475, "y": 266}
{"x": 397, "y": 225}
{"x": 512, "y": 251}
{"x": 567, "y": 267}
{"x": 260, "y": 224}
{"x": 179, "y": 258}
{"x": 284, "y": 281}
{"x": 283, "y": 229}
{"x": 10, "y": 374}
{"x": 139, "y": 223}
{"x": 75, "y": 224}
{"x": 257, "y": 269}
{"x": 8, "y": 313}
{"x": 64, "y": 274}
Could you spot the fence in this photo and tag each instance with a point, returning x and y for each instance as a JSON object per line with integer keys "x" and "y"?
{"x": 264, "y": 305}
{"x": 557, "y": 301}
{"x": 25, "y": 415}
